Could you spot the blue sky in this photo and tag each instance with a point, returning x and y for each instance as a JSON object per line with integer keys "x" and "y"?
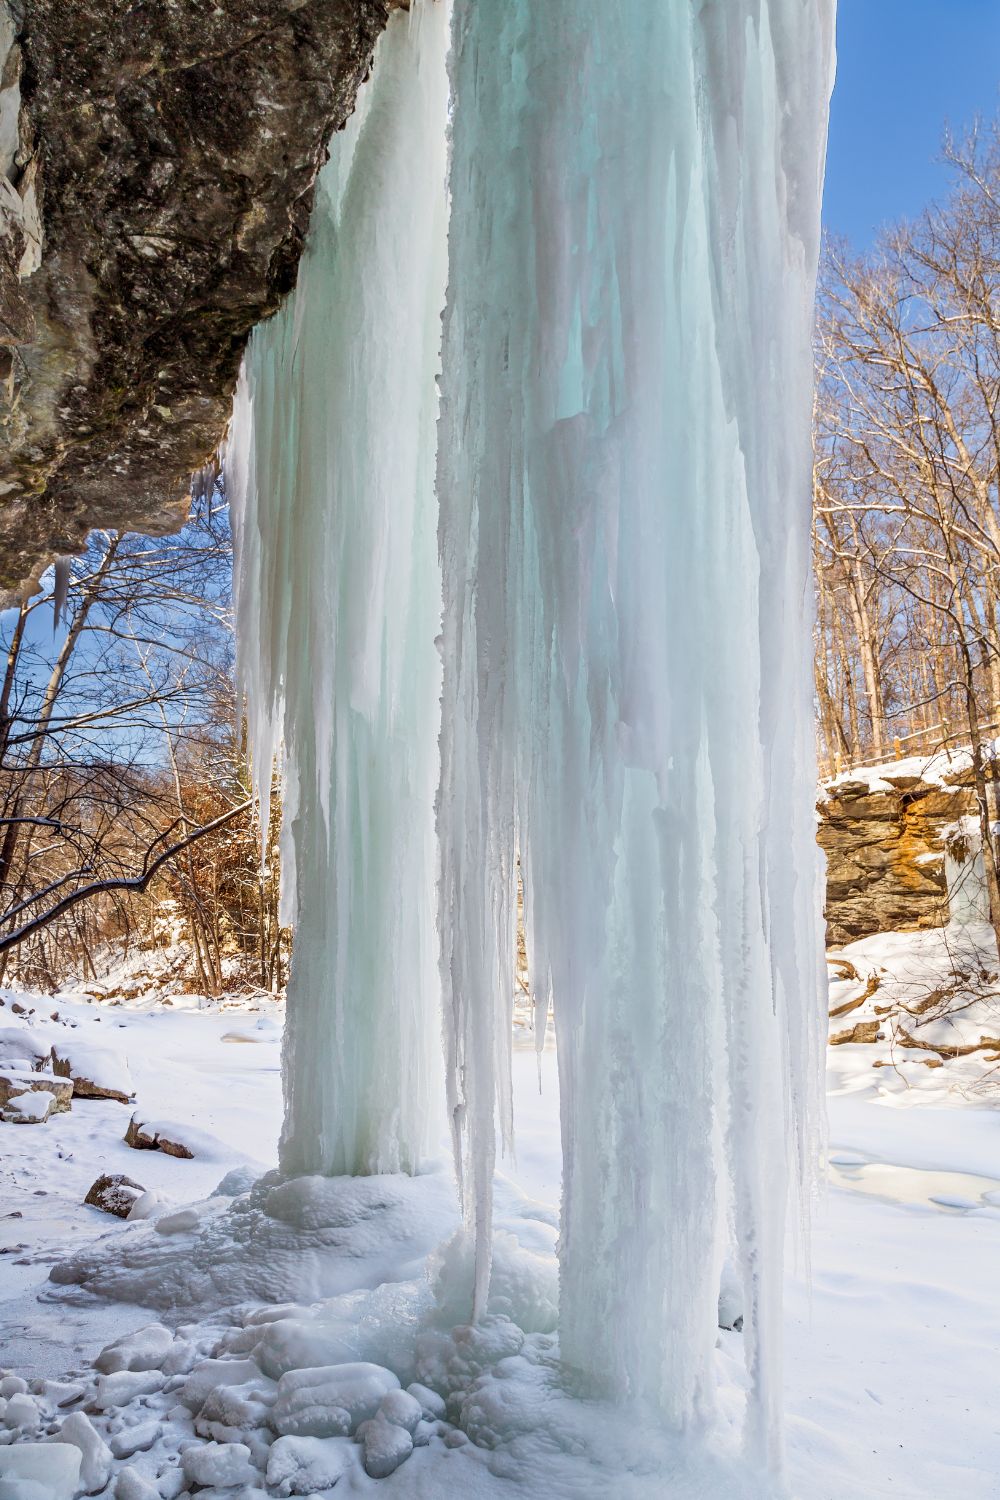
{"x": 905, "y": 67}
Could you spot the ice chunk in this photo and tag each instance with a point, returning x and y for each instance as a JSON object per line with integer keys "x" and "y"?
{"x": 21, "y": 1413}
{"x": 210, "y": 1373}
{"x": 431, "y": 1404}
{"x": 330, "y": 1401}
{"x": 135, "y": 1439}
{"x": 130, "y": 1485}
{"x": 95, "y": 1464}
{"x": 144, "y": 1349}
{"x": 304, "y": 1465}
{"x": 125, "y": 1386}
{"x": 402, "y": 1409}
{"x": 386, "y": 1445}
{"x": 224, "y": 1465}
{"x": 40, "y": 1471}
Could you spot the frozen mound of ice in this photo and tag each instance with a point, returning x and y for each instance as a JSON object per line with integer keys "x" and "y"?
{"x": 524, "y": 1285}
{"x": 302, "y": 1240}
{"x": 330, "y": 1401}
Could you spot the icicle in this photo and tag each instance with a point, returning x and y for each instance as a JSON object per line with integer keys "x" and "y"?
{"x": 624, "y": 536}
{"x": 331, "y": 473}
{"x": 62, "y": 576}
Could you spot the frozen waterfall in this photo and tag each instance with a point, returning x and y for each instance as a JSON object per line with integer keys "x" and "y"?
{"x": 624, "y": 480}
{"x": 331, "y": 472}
{"x": 623, "y": 510}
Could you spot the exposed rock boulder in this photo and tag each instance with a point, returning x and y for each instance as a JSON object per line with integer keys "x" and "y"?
{"x": 157, "y": 165}
{"x": 114, "y": 1193}
{"x": 97, "y": 1072}
{"x": 884, "y": 836}
{"x": 15, "y": 1082}
{"x": 156, "y": 1135}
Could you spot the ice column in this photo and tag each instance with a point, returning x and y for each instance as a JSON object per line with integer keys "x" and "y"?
{"x": 331, "y": 470}
{"x": 624, "y": 484}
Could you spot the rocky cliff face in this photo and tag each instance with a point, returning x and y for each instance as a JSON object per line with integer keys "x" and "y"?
{"x": 157, "y": 162}
{"x": 883, "y": 836}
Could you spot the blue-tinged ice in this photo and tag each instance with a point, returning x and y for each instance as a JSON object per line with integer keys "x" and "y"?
{"x": 331, "y": 470}
{"x": 624, "y": 477}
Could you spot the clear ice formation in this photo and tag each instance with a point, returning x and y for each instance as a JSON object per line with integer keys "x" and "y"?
{"x": 331, "y": 475}
{"x": 624, "y": 483}
{"x": 623, "y": 486}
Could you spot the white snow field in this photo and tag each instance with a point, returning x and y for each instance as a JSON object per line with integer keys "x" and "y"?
{"x": 260, "y": 1316}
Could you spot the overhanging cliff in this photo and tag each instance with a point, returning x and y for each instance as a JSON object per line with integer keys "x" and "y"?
{"x": 157, "y": 163}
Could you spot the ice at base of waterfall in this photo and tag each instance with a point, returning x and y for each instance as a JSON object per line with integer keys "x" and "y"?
{"x": 890, "y": 1352}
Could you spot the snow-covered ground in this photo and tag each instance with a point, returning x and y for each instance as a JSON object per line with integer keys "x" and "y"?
{"x": 893, "y": 1332}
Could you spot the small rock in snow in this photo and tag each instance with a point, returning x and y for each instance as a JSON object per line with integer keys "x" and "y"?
{"x": 114, "y": 1193}
{"x": 158, "y": 1135}
{"x": 12, "y": 1385}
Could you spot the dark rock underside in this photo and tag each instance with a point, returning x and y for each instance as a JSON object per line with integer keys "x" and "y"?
{"x": 157, "y": 163}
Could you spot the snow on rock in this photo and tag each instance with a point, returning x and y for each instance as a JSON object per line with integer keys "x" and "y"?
{"x": 144, "y": 1349}
{"x": 31, "y": 1108}
{"x": 21, "y": 1046}
{"x": 18, "y": 1081}
{"x": 97, "y": 1072}
{"x": 95, "y": 1455}
{"x": 304, "y": 1465}
{"x": 160, "y": 1135}
{"x": 114, "y": 1193}
{"x": 224, "y": 1465}
{"x": 40, "y": 1471}
{"x": 329, "y": 1401}
{"x": 386, "y": 1445}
